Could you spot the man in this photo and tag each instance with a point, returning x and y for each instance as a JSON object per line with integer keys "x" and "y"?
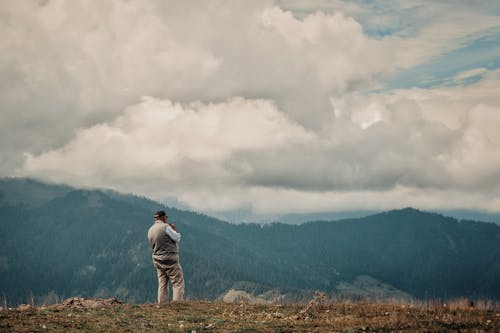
{"x": 164, "y": 238}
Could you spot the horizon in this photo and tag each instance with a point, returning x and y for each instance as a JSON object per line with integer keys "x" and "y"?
{"x": 241, "y": 217}
{"x": 261, "y": 109}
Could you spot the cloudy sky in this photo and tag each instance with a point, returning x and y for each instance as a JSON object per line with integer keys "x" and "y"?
{"x": 266, "y": 106}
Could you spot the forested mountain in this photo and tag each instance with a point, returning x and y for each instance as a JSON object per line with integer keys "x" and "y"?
{"x": 56, "y": 241}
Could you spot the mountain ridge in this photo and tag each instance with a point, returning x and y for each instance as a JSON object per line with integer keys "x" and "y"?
{"x": 92, "y": 243}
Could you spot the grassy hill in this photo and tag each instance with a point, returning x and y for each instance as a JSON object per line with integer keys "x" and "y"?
{"x": 241, "y": 317}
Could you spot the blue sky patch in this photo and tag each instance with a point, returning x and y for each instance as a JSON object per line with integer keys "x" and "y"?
{"x": 480, "y": 53}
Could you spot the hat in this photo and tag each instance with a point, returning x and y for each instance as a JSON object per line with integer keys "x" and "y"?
{"x": 160, "y": 213}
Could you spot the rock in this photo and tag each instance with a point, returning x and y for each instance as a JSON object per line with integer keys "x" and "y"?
{"x": 236, "y": 296}
{"x": 209, "y": 327}
{"x": 24, "y": 307}
{"x": 81, "y": 302}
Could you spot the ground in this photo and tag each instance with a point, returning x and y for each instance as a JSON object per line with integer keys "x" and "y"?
{"x": 196, "y": 316}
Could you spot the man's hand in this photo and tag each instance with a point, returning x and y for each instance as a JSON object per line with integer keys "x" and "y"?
{"x": 173, "y": 226}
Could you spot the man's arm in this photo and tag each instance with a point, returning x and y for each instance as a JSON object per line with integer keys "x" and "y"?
{"x": 174, "y": 235}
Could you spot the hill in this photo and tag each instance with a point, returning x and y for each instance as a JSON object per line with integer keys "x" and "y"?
{"x": 58, "y": 241}
{"x": 77, "y": 315}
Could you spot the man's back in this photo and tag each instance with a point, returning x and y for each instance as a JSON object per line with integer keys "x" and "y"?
{"x": 163, "y": 247}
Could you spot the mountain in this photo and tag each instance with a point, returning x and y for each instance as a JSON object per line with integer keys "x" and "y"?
{"x": 474, "y": 215}
{"x": 57, "y": 241}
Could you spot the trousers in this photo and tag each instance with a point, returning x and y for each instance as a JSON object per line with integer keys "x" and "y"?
{"x": 173, "y": 273}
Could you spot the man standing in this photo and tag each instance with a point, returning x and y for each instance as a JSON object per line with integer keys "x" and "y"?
{"x": 164, "y": 238}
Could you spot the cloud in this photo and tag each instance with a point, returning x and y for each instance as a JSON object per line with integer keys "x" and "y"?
{"x": 472, "y": 73}
{"x": 249, "y": 100}
{"x": 449, "y": 133}
{"x": 169, "y": 144}
{"x": 69, "y": 65}
{"x": 246, "y": 153}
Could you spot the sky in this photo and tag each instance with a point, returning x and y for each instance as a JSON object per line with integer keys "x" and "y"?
{"x": 269, "y": 107}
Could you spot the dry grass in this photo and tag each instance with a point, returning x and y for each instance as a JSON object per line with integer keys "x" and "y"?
{"x": 220, "y": 317}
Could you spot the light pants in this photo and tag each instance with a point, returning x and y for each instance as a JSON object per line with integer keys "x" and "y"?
{"x": 173, "y": 273}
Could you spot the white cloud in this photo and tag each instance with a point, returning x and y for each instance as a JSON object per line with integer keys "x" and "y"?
{"x": 460, "y": 77}
{"x": 169, "y": 144}
{"x": 250, "y": 100}
{"x": 451, "y": 131}
{"x": 245, "y": 153}
{"x": 70, "y": 64}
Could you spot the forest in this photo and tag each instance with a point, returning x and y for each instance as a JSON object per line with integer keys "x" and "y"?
{"x": 57, "y": 242}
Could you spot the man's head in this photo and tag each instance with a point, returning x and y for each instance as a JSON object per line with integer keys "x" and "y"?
{"x": 161, "y": 215}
